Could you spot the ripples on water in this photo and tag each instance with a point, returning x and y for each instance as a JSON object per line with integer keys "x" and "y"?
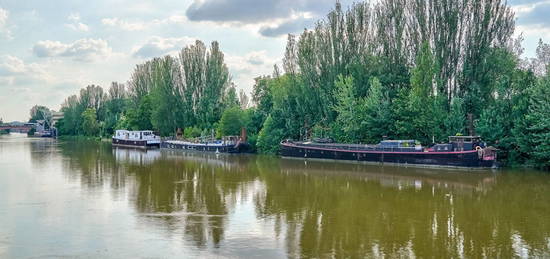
{"x": 91, "y": 200}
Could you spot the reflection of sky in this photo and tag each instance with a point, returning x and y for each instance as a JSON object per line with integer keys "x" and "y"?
{"x": 251, "y": 237}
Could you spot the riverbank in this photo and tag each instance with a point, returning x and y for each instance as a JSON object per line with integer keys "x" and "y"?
{"x": 80, "y": 138}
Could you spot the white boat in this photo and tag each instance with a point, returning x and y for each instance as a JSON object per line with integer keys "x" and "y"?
{"x": 140, "y": 138}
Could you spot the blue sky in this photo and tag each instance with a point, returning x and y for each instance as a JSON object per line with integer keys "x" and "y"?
{"x": 51, "y": 49}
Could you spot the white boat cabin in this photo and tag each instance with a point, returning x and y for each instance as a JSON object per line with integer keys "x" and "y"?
{"x": 136, "y": 135}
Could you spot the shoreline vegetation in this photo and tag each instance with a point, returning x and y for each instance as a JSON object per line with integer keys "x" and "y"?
{"x": 419, "y": 70}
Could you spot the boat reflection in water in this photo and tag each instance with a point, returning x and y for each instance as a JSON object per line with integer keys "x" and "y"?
{"x": 136, "y": 156}
{"x": 225, "y": 205}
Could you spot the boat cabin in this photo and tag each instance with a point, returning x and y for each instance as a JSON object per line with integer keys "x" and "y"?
{"x": 464, "y": 143}
{"x": 399, "y": 145}
{"x": 135, "y": 135}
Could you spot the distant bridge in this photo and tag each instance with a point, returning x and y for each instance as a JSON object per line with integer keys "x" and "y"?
{"x": 17, "y": 128}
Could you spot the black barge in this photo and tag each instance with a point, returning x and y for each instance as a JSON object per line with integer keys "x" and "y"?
{"x": 226, "y": 145}
{"x": 461, "y": 151}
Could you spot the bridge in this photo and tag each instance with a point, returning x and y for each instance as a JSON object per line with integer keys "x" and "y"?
{"x": 17, "y": 128}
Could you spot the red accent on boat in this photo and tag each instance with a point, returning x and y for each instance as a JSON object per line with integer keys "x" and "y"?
{"x": 379, "y": 152}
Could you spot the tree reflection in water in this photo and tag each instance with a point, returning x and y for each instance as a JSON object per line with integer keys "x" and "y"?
{"x": 325, "y": 209}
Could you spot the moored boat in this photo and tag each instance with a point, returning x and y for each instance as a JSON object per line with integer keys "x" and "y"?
{"x": 231, "y": 144}
{"x": 140, "y": 139}
{"x": 461, "y": 151}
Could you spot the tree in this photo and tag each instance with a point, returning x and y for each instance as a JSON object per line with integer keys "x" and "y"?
{"x": 270, "y": 136}
{"x": 231, "y": 122}
{"x": 39, "y": 112}
{"x": 243, "y": 99}
{"x": 140, "y": 118}
{"x": 456, "y": 120}
{"x": 347, "y": 125}
{"x": 164, "y": 97}
{"x": 115, "y": 106}
{"x": 378, "y": 120}
{"x": 538, "y": 118}
{"x": 90, "y": 124}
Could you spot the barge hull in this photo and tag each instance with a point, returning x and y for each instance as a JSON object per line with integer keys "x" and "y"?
{"x": 206, "y": 148}
{"x": 134, "y": 143}
{"x": 468, "y": 159}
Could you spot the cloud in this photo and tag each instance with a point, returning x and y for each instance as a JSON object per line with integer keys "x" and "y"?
{"x": 13, "y": 71}
{"x": 534, "y": 14}
{"x": 4, "y": 15}
{"x": 124, "y": 25}
{"x": 158, "y": 46}
{"x": 78, "y": 26}
{"x": 75, "y": 24}
{"x": 85, "y": 50}
{"x": 245, "y": 68}
{"x": 74, "y": 17}
{"x": 289, "y": 26}
{"x": 253, "y": 11}
{"x": 141, "y": 25}
{"x": 523, "y": 2}
{"x": 236, "y": 11}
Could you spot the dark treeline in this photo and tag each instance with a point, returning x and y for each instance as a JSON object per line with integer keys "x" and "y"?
{"x": 399, "y": 69}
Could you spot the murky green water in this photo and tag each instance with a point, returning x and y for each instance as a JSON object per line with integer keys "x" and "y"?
{"x": 69, "y": 199}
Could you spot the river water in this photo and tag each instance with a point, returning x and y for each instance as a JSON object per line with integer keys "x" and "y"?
{"x": 90, "y": 200}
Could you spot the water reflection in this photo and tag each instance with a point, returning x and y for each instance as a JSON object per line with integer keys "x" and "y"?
{"x": 317, "y": 209}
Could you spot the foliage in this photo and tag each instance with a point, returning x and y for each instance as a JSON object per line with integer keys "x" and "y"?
{"x": 232, "y": 121}
{"x": 192, "y": 132}
{"x": 39, "y": 112}
{"x": 538, "y": 118}
{"x": 89, "y": 122}
{"x": 378, "y": 120}
{"x": 270, "y": 136}
{"x": 347, "y": 126}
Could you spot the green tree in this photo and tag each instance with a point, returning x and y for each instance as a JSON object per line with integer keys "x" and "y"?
{"x": 90, "y": 124}
{"x": 165, "y": 99}
{"x": 538, "y": 118}
{"x": 231, "y": 122}
{"x": 140, "y": 118}
{"x": 347, "y": 126}
{"x": 270, "y": 136}
{"x": 378, "y": 120}
{"x": 39, "y": 112}
{"x": 456, "y": 120}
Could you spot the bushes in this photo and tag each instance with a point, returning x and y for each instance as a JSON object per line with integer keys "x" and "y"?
{"x": 270, "y": 136}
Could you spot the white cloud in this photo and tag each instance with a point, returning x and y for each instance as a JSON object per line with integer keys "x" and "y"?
{"x": 141, "y": 25}
{"x": 245, "y": 68}
{"x": 158, "y": 46}
{"x": 527, "y": 7}
{"x": 75, "y": 24}
{"x": 14, "y": 71}
{"x": 4, "y": 15}
{"x": 85, "y": 50}
{"x": 78, "y": 26}
{"x": 124, "y": 25}
{"x": 74, "y": 17}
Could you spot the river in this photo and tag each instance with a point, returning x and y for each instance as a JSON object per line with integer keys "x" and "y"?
{"x": 91, "y": 200}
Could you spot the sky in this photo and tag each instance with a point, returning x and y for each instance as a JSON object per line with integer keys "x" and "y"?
{"x": 51, "y": 49}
